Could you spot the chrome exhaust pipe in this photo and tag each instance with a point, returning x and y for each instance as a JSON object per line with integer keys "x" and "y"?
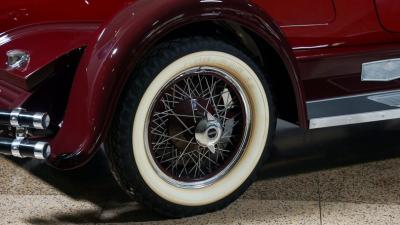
{"x": 23, "y": 148}
{"x": 20, "y": 118}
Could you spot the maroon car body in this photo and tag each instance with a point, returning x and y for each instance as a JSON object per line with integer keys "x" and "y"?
{"x": 322, "y": 45}
{"x": 108, "y": 72}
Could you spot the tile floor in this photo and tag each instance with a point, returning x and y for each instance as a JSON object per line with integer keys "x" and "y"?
{"x": 334, "y": 176}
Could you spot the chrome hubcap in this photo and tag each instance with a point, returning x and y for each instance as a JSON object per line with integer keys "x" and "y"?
{"x": 208, "y": 133}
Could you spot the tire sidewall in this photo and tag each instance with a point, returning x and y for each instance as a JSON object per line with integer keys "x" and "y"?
{"x": 252, "y": 153}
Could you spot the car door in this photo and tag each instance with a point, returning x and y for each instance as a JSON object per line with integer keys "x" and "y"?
{"x": 332, "y": 39}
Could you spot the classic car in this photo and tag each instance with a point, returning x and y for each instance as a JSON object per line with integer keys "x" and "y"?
{"x": 184, "y": 95}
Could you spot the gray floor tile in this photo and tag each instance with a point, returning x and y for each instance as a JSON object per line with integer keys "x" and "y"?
{"x": 253, "y": 212}
{"x": 302, "y": 187}
{"x": 15, "y": 179}
{"x": 338, "y": 213}
{"x": 374, "y": 182}
{"x": 46, "y": 209}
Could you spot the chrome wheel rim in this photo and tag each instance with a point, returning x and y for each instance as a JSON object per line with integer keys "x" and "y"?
{"x": 197, "y": 127}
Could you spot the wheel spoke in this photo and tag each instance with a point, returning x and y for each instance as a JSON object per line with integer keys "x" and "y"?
{"x": 175, "y": 137}
{"x": 202, "y": 95}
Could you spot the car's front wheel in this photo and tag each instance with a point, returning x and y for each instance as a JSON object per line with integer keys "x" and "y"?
{"x": 191, "y": 127}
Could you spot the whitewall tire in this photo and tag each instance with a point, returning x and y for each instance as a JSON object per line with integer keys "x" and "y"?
{"x": 210, "y": 153}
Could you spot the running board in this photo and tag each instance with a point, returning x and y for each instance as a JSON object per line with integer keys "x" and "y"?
{"x": 354, "y": 109}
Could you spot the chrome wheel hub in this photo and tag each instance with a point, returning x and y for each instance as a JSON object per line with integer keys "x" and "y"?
{"x": 208, "y": 133}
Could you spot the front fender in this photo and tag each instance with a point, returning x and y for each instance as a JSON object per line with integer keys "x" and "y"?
{"x": 121, "y": 43}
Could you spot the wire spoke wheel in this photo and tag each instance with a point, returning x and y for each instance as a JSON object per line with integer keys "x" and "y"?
{"x": 193, "y": 126}
{"x": 197, "y": 127}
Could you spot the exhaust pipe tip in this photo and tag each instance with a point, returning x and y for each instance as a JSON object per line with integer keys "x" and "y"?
{"x": 42, "y": 150}
{"x": 41, "y": 121}
{"x": 21, "y": 118}
{"x": 25, "y": 148}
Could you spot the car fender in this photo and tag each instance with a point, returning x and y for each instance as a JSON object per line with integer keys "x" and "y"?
{"x": 121, "y": 42}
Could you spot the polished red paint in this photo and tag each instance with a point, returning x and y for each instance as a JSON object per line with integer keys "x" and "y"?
{"x": 11, "y": 96}
{"x": 388, "y": 11}
{"x": 330, "y": 55}
{"x": 336, "y": 72}
{"x": 297, "y": 12}
{"x": 14, "y": 14}
{"x": 46, "y": 43}
{"x": 322, "y": 43}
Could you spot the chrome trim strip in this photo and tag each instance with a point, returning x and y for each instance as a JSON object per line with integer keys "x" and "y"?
{"x": 390, "y": 99}
{"x": 355, "y": 96}
{"x": 383, "y": 70}
{"x": 354, "y": 118}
